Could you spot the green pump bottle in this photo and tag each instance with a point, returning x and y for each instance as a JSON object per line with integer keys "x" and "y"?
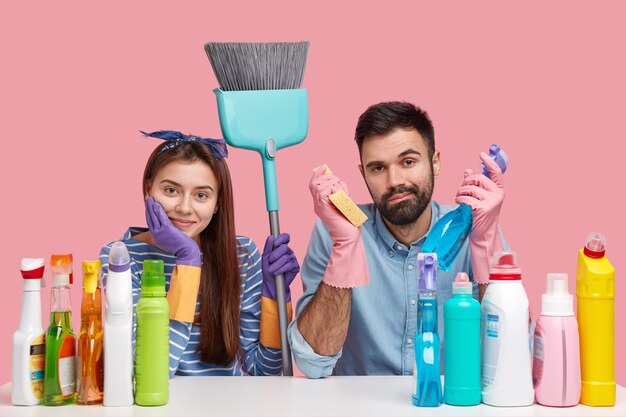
{"x": 153, "y": 338}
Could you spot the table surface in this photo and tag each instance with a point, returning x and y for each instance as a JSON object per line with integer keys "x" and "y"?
{"x": 299, "y": 396}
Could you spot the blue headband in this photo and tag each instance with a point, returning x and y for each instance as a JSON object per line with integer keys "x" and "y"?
{"x": 217, "y": 146}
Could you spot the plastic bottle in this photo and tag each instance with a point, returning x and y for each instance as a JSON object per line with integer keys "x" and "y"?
{"x": 507, "y": 370}
{"x": 461, "y": 317}
{"x": 556, "y": 362}
{"x": 90, "y": 375}
{"x": 427, "y": 344}
{"x": 449, "y": 233}
{"x": 118, "y": 330}
{"x": 29, "y": 339}
{"x": 153, "y": 338}
{"x": 595, "y": 290}
{"x": 60, "y": 375}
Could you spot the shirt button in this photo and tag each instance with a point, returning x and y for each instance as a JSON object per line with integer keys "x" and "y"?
{"x": 399, "y": 247}
{"x": 412, "y": 301}
{"x": 409, "y": 341}
{"x": 410, "y": 267}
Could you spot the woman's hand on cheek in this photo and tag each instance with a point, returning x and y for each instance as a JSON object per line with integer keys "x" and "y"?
{"x": 168, "y": 237}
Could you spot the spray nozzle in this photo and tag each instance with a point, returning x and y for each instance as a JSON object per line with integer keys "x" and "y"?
{"x": 497, "y": 154}
{"x": 92, "y": 271}
{"x": 61, "y": 266}
{"x": 594, "y": 248}
{"x": 427, "y": 271}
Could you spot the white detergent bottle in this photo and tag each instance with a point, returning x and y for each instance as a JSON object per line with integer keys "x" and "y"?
{"x": 118, "y": 330}
{"x": 507, "y": 367}
{"x": 29, "y": 349}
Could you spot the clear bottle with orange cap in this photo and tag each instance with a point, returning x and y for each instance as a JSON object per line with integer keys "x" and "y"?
{"x": 60, "y": 375}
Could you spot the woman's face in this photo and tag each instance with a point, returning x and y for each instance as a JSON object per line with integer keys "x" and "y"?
{"x": 188, "y": 192}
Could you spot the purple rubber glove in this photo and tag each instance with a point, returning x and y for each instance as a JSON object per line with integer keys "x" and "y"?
{"x": 485, "y": 197}
{"x": 278, "y": 258}
{"x": 168, "y": 237}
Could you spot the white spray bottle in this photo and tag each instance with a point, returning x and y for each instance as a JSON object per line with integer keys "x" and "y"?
{"x": 29, "y": 349}
{"x": 118, "y": 330}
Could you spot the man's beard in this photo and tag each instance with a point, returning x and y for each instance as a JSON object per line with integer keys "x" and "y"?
{"x": 406, "y": 211}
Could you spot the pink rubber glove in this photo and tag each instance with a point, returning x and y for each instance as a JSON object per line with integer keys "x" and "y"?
{"x": 485, "y": 197}
{"x": 347, "y": 267}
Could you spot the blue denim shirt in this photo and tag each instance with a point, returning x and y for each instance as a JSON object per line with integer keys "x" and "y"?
{"x": 383, "y": 319}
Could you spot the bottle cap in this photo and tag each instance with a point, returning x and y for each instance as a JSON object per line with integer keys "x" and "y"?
{"x": 61, "y": 266}
{"x": 594, "y": 248}
{"x": 505, "y": 267}
{"x": 119, "y": 259}
{"x": 92, "y": 272}
{"x": 557, "y": 301}
{"x": 462, "y": 284}
{"x": 32, "y": 268}
{"x": 427, "y": 271}
{"x": 153, "y": 279}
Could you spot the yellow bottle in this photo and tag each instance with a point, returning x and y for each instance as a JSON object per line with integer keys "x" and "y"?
{"x": 595, "y": 290}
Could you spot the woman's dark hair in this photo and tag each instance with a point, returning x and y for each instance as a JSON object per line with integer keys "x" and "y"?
{"x": 384, "y": 118}
{"x": 220, "y": 281}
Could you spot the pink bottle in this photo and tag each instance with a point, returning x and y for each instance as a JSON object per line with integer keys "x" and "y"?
{"x": 556, "y": 357}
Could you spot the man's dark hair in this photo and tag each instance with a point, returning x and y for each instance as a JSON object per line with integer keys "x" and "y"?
{"x": 384, "y": 118}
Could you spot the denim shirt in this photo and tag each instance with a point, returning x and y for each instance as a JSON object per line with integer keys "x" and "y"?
{"x": 383, "y": 321}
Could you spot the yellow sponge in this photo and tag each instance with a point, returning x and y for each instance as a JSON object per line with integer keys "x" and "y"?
{"x": 346, "y": 206}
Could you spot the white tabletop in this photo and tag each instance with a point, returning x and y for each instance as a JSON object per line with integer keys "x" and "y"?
{"x": 298, "y": 396}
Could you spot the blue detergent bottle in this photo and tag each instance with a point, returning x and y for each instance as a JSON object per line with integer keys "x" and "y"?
{"x": 461, "y": 321}
{"x": 427, "y": 344}
{"x": 448, "y": 234}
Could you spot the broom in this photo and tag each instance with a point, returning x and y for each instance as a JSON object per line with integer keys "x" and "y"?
{"x": 262, "y": 108}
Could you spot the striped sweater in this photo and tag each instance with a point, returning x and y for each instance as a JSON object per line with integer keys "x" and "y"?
{"x": 253, "y": 359}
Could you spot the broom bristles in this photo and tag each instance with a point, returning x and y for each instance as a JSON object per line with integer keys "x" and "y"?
{"x": 243, "y": 66}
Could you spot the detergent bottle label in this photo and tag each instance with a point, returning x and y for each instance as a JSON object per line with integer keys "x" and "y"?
{"x": 491, "y": 346}
{"x": 37, "y": 362}
{"x": 67, "y": 366}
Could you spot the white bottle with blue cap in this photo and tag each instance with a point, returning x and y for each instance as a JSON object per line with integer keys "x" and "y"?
{"x": 118, "y": 330}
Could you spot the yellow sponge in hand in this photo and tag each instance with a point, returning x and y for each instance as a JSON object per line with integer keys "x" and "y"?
{"x": 346, "y": 206}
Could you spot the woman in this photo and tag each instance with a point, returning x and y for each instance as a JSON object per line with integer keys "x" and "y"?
{"x": 222, "y": 296}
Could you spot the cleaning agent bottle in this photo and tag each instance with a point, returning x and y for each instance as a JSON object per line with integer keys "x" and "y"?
{"x": 427, "y": 344}
{"x": 118, "y": 330}
{"x": 60, "y": 374}
{"x": 29, "y": 339}
{"x": 153, "y": 338}
{"x": 595, "y": 291}
{"x": 556, "y": 361}
{"x": 90, "y": 375}
{"x": 449, "y": 233}
{"x": 507, "y": 370}
{"x": 461, "y": 318}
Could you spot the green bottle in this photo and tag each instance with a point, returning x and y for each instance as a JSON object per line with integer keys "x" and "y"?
{"x": 60, "y": 372}
{"x": 462, "y": 358}
{"x": 152, "y": 359}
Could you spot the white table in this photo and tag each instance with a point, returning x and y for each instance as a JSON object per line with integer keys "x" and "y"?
{"x": 332, "y": 396}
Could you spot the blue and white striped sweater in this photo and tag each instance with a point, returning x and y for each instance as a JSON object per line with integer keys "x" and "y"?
{"x": 253, "y": 359}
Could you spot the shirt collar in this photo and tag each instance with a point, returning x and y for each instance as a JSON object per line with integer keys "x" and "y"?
{"x": 391, "y": 244}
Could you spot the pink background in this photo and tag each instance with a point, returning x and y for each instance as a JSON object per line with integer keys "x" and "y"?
{"x": 545, "y": 81}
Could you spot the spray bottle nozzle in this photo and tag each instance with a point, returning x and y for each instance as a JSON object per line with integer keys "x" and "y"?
{"x": 427, "y": 270}
{"x": 497, "y": 154}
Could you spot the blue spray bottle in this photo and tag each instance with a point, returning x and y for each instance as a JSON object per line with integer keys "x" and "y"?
{"x": 448, "y": 234}
{"x": 427, "y": 345}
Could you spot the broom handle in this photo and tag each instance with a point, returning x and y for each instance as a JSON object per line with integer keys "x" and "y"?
{"x": 282, "y": 305}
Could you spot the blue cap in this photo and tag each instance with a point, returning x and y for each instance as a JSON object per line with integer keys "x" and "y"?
{"x": 427, "y": 271}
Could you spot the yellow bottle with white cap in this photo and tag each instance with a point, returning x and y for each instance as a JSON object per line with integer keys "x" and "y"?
{"x": 595, "y": 291}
